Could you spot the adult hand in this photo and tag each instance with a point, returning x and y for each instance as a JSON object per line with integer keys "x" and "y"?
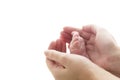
{"x": 74, "y": 67}
{"x": 101, "y": 47}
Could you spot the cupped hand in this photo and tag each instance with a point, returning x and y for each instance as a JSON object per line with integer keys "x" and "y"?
{"x": 100, "y": 44}
{"x": 74, "y": 67}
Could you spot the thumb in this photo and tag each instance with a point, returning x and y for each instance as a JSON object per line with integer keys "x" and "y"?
{"x": 57, "y": 56}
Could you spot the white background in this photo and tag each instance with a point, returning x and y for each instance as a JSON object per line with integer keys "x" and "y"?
{"x": 28, "y": 26}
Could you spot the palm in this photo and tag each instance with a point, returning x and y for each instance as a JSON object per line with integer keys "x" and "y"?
{"x": 99, "y": 47}
{"x": 99, "y": 43}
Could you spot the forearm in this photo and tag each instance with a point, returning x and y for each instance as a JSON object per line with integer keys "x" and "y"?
{"x": 98, "y": 73}
{"x": 102, "y": 74}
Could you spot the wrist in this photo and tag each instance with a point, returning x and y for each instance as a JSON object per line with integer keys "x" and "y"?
{"x": 113, "y": 62}
{"x": 97, "y": 73}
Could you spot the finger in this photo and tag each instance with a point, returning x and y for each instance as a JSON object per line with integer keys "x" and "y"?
{"x": 70, "y": 29}
{"x": 58, "y": 57}
{"x": 66, "y": 37}
{"x": 90, "y": 29}
{"x": 58, "y": 45}
{"x": 85, "y": 35}
{"x": 52, "y": 45}
{"x": 63, "y": 46}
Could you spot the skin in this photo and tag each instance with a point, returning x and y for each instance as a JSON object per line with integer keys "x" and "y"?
{"x": 74, "y": 67}
{"x": 77, "y": 45}
{"x": 101, "y": 47}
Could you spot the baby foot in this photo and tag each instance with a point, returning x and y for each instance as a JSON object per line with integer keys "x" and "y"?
{"x": 77, "y": 45}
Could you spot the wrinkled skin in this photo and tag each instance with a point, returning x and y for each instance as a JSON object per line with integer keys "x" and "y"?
{"x": 77, "y": 45}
